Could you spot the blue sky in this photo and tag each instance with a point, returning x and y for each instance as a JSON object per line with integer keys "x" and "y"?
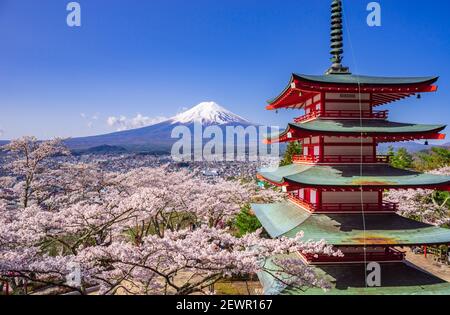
{"x": 156, "y": 57}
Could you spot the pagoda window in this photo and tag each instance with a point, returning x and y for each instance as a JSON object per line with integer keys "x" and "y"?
{"x": 350, "y": 197}
{"x": 340, "y": 105}
{"x": 347, "y": 150}
{"x": 301, "y": 194}
{"x": 313, "y": 196}
{"x": 341, "y": 201}
{"x": 316, "y": 150}
{"x": 356, "y": 141}
{"x": 335, "y": 150}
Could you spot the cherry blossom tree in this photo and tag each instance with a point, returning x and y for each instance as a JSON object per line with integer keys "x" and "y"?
{"x": 30, "y": 161}
{"x": 423, "y": 205}
{"x": 146, "y": 231}
{"x": 187, "y": 262}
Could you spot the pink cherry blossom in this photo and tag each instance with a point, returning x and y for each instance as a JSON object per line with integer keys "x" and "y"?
{"x": 145, "y": 231}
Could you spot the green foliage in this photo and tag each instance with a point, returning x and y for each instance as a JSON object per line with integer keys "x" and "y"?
{"x": 401, "y": 159}
{"x": 246, "y": 222}
{"x": 442, "y": 196}
{"x": 435, "y": 158}
{"x": 293, "y": 148}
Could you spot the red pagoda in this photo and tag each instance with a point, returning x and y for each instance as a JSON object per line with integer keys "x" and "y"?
{"x": 335, "y": 187}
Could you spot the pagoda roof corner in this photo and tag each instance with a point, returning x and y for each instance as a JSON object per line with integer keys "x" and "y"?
{"x": 371, "y": 176}
{"x": 287, "y": 220}
{"x": 350, "y": 279}
{"x": 351, "y": 79}
{"x": 356, "y": 128}
{"x": 387, "y": 89}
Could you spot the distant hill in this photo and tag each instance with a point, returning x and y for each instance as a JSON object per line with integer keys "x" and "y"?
{"x": 103, "y": 149}
{"x": 412, "y": 147}
{"x": 157, "y": 138}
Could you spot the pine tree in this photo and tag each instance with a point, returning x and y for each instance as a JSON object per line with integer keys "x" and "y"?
{"x": 246, "y": 222}
{"x": 401, "y": 159}
{"x": 294, "y": 148}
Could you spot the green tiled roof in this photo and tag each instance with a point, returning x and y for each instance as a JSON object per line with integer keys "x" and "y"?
{"x": 351, "y": 176}
{"x": 287, "y": 219}
{"x": 364, "y": 80}
{"x": 279, "y": 218}
{"x": 349, "y": 279}
{"x": 369, "y": 126}
{"x": 351, "y": 126}
{"x": 278, "y": 174}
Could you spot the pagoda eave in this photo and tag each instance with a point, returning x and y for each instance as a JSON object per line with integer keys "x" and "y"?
{"x": 349, "y": 279}
{"x": 381, "y": 131}
{"x": 383, "y": 90}
{"x": 351, "y": 178}
{"x": 380, "y": 138}
{"x": 289, "y": 186}
{"x": 293, "y": 186}
{"x": 346, "y": 229}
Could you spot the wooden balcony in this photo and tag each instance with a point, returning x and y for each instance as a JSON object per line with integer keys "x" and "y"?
{"x": 342, "y": 159}
{"x": 344, "y": 114}
{"x": 345, "y": 207}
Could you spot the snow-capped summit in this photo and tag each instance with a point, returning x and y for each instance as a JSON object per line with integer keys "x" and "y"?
{"x": 208, "y": 113}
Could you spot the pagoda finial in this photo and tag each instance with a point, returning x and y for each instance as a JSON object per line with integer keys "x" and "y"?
{"x": 337, "y": 44}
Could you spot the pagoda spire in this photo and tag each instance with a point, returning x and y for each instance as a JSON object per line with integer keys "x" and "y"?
{"x": 337, "y": 45}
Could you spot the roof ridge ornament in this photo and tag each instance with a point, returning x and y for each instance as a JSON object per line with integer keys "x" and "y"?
{"x": 337, "y": 43}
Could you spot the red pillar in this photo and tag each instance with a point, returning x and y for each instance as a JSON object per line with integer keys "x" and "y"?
{"x": 321, "y": 149}
{"x": 319, "y": 199}
{"x": 380, "y": 199}
{"x": 374, "y": 143}
{"x": 322, "y": 103}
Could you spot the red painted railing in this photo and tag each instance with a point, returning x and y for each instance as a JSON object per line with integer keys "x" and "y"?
{"x": 389, "y": 255}
{"x": 345, "y": 207}
{"x": 306, "y": 159}
{"x": 336, "y": 159}
{"x": 343, "y": 114}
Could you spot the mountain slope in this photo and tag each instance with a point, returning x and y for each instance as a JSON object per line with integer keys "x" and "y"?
{"x": 158, "y": 137}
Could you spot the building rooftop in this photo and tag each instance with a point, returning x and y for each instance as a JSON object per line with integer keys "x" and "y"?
{"x": 368, "y": 175}
{"x": 384, "y": 89}
{"x": 356, "y": 127}
{"x": 351, "y": 79}
{"x": 287, "y": 219}
{"x": 349, "y": 279}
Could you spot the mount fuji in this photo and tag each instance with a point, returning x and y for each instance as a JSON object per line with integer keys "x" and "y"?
{"x": 208, "y": 113}
{"x": 157, "y": 138}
